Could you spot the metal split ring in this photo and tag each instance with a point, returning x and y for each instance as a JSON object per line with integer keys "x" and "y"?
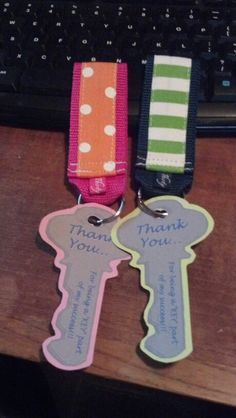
{"x": 94, "y": 220}
{"x": 157, "y": 213}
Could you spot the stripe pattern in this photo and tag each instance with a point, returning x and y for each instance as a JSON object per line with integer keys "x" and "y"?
{"x": 168, "y": 114}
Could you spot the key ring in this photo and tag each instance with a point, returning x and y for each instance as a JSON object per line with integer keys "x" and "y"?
{"x": 157, "y": 213}
{"x": 94, "y": 220}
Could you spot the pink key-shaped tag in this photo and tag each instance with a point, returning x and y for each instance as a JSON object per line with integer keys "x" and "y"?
{"x": 86, "y": 258}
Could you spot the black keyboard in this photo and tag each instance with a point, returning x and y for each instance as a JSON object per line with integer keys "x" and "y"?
{"x": 40, "y": 41}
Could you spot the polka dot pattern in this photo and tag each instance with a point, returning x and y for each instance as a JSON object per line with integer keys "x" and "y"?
{"x": 84, "y": 147}
{"x": 110, "y": 130}
{"x": 88, "y": 72}
{"x": 85, "y": 109}
{"x": 97, "y": 119}
{"x": 110, "y": 92}
{"x": 109, "y": 166}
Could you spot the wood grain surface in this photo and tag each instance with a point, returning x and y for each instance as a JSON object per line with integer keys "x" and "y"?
{"x": 32, "y": 184}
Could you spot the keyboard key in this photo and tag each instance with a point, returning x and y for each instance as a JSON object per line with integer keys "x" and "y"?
{"x": 52, "y": 9}
{"x": 41, "y": 60}
{"x": 203, "y": 30}
{"x": 224, "y": 87}
{"x": 83, "y": 44}
{"x": 33, "y": 26}
{"x": 227, "y": 31}
{"x": 114, "y": 12}
{"x": 106, "y": 41}
{"x": 216, "y": 15}
{"x": 155, "y": 44}
{"x": 223, "y": 65}
{"x": 181, "y": 46}
{"x": 167, "y": 13}
{"x": 35, "y": 42}
{"x": 17, "y": 58}
{"x": 11, "y": 36}
{"x": 176, "y": 29}
{"x": 130, "y": 28}
{"x": 57, "y": 40}
{"x": 29, "y": 8}
{"x": 132, "y": 41}
{"x": 230, "y": 47}
{"x": 72, "y": 12}
{"x": 206, "y": 48}
{"x": 8, "y": 8}
{"x": 58, "y": 27}
{"x": 142, "y": 13}
{"x": 9, "y": 24}
{"x": 9, "y": 78}
{"x": 63, "y": 59}
{"x": 188, "y": 15}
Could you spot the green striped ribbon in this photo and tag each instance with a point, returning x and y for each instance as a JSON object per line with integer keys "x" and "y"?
{"x": 168, "y": 114}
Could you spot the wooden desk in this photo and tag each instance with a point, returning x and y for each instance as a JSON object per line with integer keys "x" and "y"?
{"x": 32, "y": 184}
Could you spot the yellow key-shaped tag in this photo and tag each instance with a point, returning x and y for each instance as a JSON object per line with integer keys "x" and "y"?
{"x": 161, "y": 250}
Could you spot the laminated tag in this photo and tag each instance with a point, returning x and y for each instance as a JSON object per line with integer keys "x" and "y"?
{"x": 161, "y": 250}
{"x": 86, "y": 258}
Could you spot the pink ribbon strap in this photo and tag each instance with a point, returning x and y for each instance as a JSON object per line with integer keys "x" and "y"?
{"x": 97, "y": 164}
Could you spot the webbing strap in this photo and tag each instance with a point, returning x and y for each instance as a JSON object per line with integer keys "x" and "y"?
{"x": 98, "y": 131}
{"x": 166, "y": 142}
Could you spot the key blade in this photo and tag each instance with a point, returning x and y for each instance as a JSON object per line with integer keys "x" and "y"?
{"x": 167, "y": 314}
{"x": 75, "y": 322}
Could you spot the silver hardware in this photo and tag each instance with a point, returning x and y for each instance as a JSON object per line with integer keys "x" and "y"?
{"x": 157, "y": 213}
{"x": 94, "y": 220}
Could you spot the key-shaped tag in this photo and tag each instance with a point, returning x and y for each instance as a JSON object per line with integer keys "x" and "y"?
{"x": 86, "y": 257}
{"x": 161, "y": 250}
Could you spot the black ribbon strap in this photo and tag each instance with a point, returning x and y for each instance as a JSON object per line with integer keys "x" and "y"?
{"x": 167, "y": 126}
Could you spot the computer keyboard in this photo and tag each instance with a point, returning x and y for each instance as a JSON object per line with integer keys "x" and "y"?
{"x": 40, "y": 41}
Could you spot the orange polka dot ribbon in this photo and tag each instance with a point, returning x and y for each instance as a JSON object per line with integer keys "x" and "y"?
{"x": 97, "y": 162}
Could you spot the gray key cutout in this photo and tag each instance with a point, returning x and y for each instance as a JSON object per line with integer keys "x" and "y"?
{"x": 88, "y": 252}
{"x": 161, "y": 245}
